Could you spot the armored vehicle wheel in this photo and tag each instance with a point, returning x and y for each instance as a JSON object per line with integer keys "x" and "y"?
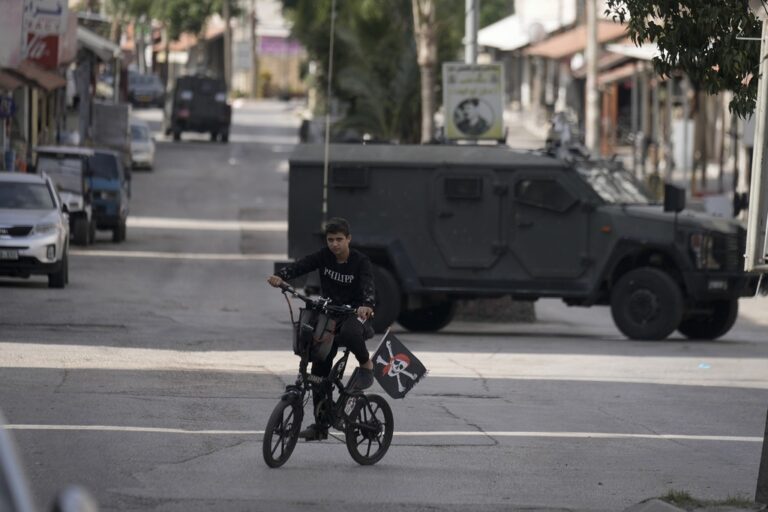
{"x": 388, "y": 299}
{"x": 646, "y": 304}
{"x": 428, "y": 319}
{"x": 369, "y": 430}
{"x": 81, "y": 231}
{"x": 281, "y": 433}
{"x": 176, "y": 136}
{"x": 711, "y": 325}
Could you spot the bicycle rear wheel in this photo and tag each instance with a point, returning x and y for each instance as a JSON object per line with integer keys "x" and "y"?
{"x": 369, "y": 430}
{"x": 281, "y": 433}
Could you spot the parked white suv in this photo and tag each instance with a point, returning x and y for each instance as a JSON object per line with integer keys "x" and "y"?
{"x": 34, "y": 228}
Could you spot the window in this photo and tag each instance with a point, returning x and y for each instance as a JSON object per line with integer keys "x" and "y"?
{"x": 139, "y": 133}
{"x": 350, "y": 177}
{"x": 544, "y": 193}
{"x": 26, "y": 196}
{"x": 104, "y": 165}
{"x": 464, "y": 188}
{"x": 66, "y": 172}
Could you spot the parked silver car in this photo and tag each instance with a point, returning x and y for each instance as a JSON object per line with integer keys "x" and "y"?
{"x": 142, "y": 145}
{"x": 34, "y": 228}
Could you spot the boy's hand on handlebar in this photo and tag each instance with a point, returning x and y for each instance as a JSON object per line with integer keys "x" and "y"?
{"x": 364, "y": 312}
{"x": 275, "y": 281}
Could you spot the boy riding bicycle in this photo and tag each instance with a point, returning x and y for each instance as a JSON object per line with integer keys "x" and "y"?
{"x": 346, "y": 277}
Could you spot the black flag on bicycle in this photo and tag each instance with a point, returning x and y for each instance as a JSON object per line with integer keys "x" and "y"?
{"x": 396, "y": 368}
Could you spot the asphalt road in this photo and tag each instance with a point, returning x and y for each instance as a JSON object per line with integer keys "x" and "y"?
{"x": 149, "y": 379}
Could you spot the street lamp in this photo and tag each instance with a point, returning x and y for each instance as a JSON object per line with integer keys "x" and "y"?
{"x": 755, "y": 259}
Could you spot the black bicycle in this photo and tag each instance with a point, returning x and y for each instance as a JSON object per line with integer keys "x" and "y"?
{"x": 365, "y": 419}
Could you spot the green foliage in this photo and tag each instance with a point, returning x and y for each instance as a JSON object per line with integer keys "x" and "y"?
{"x": 375, "y": 68}
{"x": 702, "y": 38}
{"x": 492, "y": 11}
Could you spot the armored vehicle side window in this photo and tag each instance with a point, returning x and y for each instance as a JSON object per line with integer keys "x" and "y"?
{"x": 547, "y": 194}
{"x": 350, "y": 177}
{"x": 464, "y": 188}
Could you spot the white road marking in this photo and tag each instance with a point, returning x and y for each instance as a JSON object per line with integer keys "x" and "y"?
{"x": 748, "y": 372}
{"x": 181, "y": 255}
{"x": 279, "y": 226}
{"x": 437, "y": 433}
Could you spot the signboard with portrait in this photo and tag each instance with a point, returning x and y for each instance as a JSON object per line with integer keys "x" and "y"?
{"x": 473, "y": 100}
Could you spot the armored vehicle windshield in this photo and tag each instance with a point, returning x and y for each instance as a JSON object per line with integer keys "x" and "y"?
{"x": 614, "y": 186}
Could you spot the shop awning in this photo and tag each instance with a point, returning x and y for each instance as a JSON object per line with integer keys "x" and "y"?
{"x": 616, "y": 74}
{"x": 646, "y": 51}
{"x": 104, "y": 49}
{"x": 514, "y": 32}
{"x": 48, "y": 80}
{"x": 8, "y": 82}
{"x": 575, "y": 40}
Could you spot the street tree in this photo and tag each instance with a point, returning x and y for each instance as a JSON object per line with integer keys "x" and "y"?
{"x": 706, "y": 40}
{"x": 387, "y": 58}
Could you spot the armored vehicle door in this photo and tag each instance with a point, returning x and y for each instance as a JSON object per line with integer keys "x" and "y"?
{"x": 550, "y": 228}
{"x": 466, "y": 217}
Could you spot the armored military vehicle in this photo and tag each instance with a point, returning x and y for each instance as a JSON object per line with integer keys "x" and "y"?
{"x": 443, "y": 223}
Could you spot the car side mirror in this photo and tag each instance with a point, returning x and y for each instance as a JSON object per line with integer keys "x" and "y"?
{"x": 674, "y": 198}
{"x": 64, "y": 208}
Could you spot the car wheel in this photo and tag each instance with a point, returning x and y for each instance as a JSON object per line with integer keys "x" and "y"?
{"x": 647, "y": 304}
{"x": 176, "y": 136}
{"x": 119, "y": 232}
{"x": 80, "y": 230}
{"x": 429, "y": 318}
{"x": 225, "y": 137}
{"x": 59, "y": 279}
{"x": 214, "y": 136}
{"x": 714, "y": 323}
{"x": 388, "y": 299}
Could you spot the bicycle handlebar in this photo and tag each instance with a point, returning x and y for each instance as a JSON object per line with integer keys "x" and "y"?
{"x": 318, "y": 303}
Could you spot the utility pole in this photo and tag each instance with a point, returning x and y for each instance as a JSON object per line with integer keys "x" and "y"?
{"x": 592, "y": 122}
{"x": 254, "y": 53}
{"x": 755, "y": 257}
{"x": 470, "y": 31}
{"x": 227, "y": 45}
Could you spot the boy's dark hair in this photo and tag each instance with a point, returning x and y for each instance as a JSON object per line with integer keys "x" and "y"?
{"x": 337, "y": 225}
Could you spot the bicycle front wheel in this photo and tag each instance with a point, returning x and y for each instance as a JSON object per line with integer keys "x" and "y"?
{"x": 369, "y": 430}
{"x": 281, "y": 433}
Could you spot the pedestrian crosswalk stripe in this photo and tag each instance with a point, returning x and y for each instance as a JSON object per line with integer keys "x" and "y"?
{"x": 179, "y": 255}
{"x": 279, "y": 226}
{"x": 435, "y": 433}
{"x": 732, "y": 372}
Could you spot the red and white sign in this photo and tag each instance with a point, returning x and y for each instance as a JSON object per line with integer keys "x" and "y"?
{"x": 43, "y": 50}
{"x": 44, "y": 22}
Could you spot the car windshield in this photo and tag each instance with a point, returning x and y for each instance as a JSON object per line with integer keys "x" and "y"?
{"x": 139, "y": 133}
{"x": 103, "y": 165}
{"x": 66, "y": 172}
{"x": 615, "y": 186}
{"x": 25, "y": 196}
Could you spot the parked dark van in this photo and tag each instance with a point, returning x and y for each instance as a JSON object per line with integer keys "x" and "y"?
{"x": 111, "y": 189}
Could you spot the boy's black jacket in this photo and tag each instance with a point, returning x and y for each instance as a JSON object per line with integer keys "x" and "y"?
{"x": 349, "y": 283}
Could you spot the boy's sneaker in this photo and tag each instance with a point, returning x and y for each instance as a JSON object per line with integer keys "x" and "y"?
{"x": 314, "y": 433}
{"x": 362, "y": 378}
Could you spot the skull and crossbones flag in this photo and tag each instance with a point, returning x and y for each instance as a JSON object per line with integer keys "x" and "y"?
{"x": 396, "y": 368}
